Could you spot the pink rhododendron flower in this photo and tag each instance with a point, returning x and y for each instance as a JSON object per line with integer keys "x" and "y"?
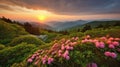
{"x": 50, "y": 60}
{"x": 33, "y": 57}
{"x": 95, "y": 40}
{"x": 92, "y": 65}
{"x": 110, "y": 54}
{"x": 101, "y": 45}
{"x": 67, "y": 57}
{"x": 67, "y": 41}
{"x": 111, "y": 38}
{"x": 117, "y": 39}
{"x": 111, "y": 46}
{"x": 62, "y": 47}
{"x": 97, "y": 44}
{"x": 83, "y": 41}
{"x": 29, "y": 60}
{"x": 44, "y": 59}
{"x": 115, "y": 43}
{"x": 73, "y": 38}
{"x": 109, "y": 42}
{"x": 36, "y": 62}
{"x": 113, "y": 55}
{"x": 60, "y": 51}
{"x": 107, "y": 53}
{"x": 90, "y": 40}
{"x": 71, "y": 48}
{"x": 67, "y": 47}
{"x": 76, "y": 38}
{"x": 66, "y": 53}
{"x": 103, "y": 38}
{"x": 88, "y": 36}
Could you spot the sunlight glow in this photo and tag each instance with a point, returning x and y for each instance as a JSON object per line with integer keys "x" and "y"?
{"x": 42, "y": 17}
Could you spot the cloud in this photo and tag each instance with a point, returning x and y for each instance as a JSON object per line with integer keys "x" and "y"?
{"x": 5, "y": 7}
{"x": 72, "y": 7}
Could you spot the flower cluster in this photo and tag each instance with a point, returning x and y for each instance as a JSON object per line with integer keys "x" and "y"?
{"x": 92, "y": 65}
{"x": 110, "y": 54}
{"x": 59, "y": 49}
{"x": 111, "y": 42}
{"x": 62, "y": 48}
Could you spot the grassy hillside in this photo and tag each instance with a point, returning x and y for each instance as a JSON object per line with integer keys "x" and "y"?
{"x": 98, "y": 47}
{"x": 9, "y": 31}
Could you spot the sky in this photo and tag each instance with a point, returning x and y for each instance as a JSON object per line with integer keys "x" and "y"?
{"x": 59, "y": 10}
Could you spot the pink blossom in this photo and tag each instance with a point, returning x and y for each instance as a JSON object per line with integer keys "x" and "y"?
{"x": 73, "y": 43}
{"x": 92, "y": 65}
{"x": 111, "y": 46}
{"x": 66, "y": 53}
{"x": 50, "y": 60}
{"x": 109, "y": 42}
{"x": 67, "y": 41}
{"x": 33, "y": 57}
{"x": 71, "y": 48}
{"x": 111, "y": 38}
{"x": 62, "y": 47}
{"x": 90, "y": 40}
{"x": 88, "y": 36}
{"x": 67, "y": 57}
{"x": 29, "y": 60}
{"x": 95, "y": 40}
{"x": 60, "y": 51}
{"x": 67, "y": 47}
{"x": 117, "y": 39}
{"x": 36, "y": 62}
{"x": 44, "y": 59}
{"x": 101, "y": 45}
{"x": 76, "y": 38}
{"x": 113, "y": 55}
{"x": 103, "y": 38}
{"x": 107, "y": 53}
{"x": 59, "y": 54}
{"x": 115, "y": 43}
{"x": 83, "y": 41}
{"x": 73, "y": 38}
{"x": 97, "y": 44}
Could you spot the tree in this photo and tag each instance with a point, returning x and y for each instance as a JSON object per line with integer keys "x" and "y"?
{"x": 86, "y": 27}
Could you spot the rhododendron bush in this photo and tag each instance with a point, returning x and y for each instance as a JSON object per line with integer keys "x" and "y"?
{"x": 78, "y": 52}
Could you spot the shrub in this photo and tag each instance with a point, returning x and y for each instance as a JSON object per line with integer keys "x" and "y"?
{"x": 30, "y": 39}
{"x": 18, "y": 53}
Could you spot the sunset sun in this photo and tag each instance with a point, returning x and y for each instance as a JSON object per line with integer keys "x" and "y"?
{"x": 42, "y": 17}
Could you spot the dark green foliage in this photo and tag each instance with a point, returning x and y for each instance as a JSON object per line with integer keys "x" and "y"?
{"x": 113, "y": 31}
{"x": 9, "y": 31}
{"x": 85, "y": 28}
{"x": 18, "y": 53}
{"x": 30, "y": 39}
{"x": 32, "y": 30}
{"x": 2, "y": 46}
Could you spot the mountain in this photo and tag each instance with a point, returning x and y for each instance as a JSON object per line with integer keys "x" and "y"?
{"x": 109, "y": 22}
{"x": 41, "y": 25}
{"x": 60, "y": 26}
{"x": 97, "y": 23}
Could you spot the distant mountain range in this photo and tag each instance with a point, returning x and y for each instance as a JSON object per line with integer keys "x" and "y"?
{"x": 60, "y": 26}
{"x": 67, "y": 25}
{"x": 41, "y": 25}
